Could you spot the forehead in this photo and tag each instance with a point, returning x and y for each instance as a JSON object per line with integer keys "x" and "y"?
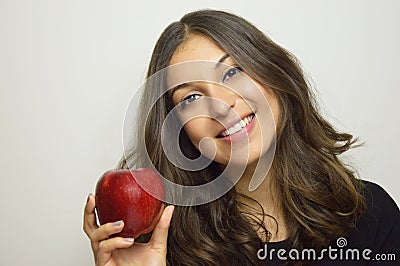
{"x": 196, "y": 47}
{"x": 196, "y": 59}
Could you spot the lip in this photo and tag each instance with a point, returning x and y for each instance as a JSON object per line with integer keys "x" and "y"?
{"x": 233, "y": 123}
{"x": 242, "y": 134}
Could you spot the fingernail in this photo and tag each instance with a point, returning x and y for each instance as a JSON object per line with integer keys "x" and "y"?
{"x": 118, "y": 223}
{"x": 129, "y": 239}
{"x": 171, "y": 211}
{"x": 88, "y": 198}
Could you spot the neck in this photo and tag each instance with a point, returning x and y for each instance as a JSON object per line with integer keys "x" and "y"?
{"x": 264, "y": 195}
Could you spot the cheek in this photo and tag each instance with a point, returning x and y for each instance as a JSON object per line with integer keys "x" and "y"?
{"x": 272, "y": 102}
{"x": 274, "y": 105}
{"x": 195, "y": 131}
{"x": 198, "y": 131}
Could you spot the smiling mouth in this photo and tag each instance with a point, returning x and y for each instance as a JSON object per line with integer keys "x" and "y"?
{"x": 237, "y": 127}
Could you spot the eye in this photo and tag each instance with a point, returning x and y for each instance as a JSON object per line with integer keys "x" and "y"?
{"x": 189, "y": 99}
{"x": 231, "y": 73}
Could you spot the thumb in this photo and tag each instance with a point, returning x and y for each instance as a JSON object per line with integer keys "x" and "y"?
{"x": 160, "y": 234}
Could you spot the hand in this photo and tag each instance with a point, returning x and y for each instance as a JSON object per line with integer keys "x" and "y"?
{"x": 123, "y": 251}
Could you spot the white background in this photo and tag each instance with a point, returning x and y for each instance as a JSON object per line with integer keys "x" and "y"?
{"x": 69, "y": 68}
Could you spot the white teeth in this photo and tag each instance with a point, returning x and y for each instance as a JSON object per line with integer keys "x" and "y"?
{"x": 238, "y": 126}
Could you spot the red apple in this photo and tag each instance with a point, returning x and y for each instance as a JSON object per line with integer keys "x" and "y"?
{"x": 121, "y": 195}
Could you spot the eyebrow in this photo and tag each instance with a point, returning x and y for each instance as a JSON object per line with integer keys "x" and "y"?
{"x": 221, "y": 60}
{"x": 180, "y": 86}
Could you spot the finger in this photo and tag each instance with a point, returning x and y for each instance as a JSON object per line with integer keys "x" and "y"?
{"x": 106, "y": 230}
{"x": 89, "y": 216}
{"x": 160, "y": 234}
{"x": 106, "y": 248}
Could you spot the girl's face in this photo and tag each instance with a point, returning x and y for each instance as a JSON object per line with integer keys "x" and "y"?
{"x": 246, "y": 115}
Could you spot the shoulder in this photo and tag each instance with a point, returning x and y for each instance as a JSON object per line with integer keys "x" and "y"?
{"x": 378, "y": 201}
{"x": 378, "y": 228}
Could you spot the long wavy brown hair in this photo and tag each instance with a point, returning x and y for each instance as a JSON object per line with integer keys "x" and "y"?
{"x": 320, "y": 196}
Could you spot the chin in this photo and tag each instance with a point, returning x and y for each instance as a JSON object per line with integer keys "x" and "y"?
{"x": 239, "y": 161}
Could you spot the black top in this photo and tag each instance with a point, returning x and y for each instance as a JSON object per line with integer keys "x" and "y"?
{"x": 374, "y": 241}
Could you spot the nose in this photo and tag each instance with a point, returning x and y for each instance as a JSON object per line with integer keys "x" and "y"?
{"x": 222, "y": 101}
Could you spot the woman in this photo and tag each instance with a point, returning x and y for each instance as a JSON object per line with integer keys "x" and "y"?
{"x": 307, "y": 200}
